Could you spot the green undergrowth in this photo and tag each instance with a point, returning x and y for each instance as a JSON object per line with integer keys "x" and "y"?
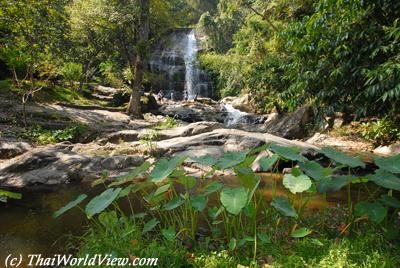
{"x": 199, "y": 216}
{"x": 123, "y": 237}
{"x": 40, "y": 135}
{"x": 51, "y": 94}
{"x": 381, "y": 131}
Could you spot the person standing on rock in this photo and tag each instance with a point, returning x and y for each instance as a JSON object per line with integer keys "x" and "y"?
{"x": 160, "y": 96}
{"x": 185, "y": 95}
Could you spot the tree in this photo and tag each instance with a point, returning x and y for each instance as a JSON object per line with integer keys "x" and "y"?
{"x": 31, "y": 30}
{"x": 141, "y": 57}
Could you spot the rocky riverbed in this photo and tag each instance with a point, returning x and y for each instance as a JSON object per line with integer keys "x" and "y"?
{"x": 119, "y": 143}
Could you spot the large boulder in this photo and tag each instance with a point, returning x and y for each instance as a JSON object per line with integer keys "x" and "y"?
{"x": 222, "y": 140}
{"x": 57, "y": 164}
{"x": 193, "y": 111}
{"x": 290, "y": 126}
{"x": 243, "y": 103}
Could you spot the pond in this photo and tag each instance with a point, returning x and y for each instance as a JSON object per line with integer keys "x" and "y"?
{"x": 27, "y": 225}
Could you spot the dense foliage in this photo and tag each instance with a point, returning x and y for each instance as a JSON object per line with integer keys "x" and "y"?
{"x": 336, "y": 55}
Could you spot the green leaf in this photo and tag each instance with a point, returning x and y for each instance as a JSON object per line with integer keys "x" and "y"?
{"x": 300, "y": 233}
{"x": 342, "y": 158}
{"x": 102, "y": 201}
{"x": 199, "y": 202}
{"x": 374, "y": 211}
{"x": 214, "y": 212}
{"x": 250, "y": 210}
{"x": 126, "y": 191}
{"x": 231, "y": 159}
{"x": 212, "y": 187}
{"x": 139, "y": 215}
{"x": 289, "y": 153}
{"x": 249, "y": 238}
{"x": 232, "y": 244}
{"x": 150, "y": 225}
{"x": 234, "y": 199}
{"x": 10, "y": 194}
{"x": 334, "y": 183}
{"x": 102, "y": 179}
{"x": 163, "y": 168}
{"x": 267, "y": 163}
{"x": 264, "y": 238}
{"x": 297, "y": 184}
{"x": 70, "y": 205}
{"x": 131, "y": 174}
{"x": 162, "y": 189}
{"x": 247, "y": 177}
{"x": 169, "y": 233}
{"x": 283, "y": 206}
{"x": 390, "y": 201}
{"x": 385, "y": 179}
{"x": 108, "y": 219}
{"x": 173, "y": 204}
{"x": 317, "y": 242}
{"x": 391, "y": 164}
{"x": 206, "y": 160}
{"x": 187, "y": 181}
{"x": 251, "y": 194}
{"x": 315, "y": 170}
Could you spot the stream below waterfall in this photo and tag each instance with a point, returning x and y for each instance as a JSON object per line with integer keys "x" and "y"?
{"x": 27, "y": 225}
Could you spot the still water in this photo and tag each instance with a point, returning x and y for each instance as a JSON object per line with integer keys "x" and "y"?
{"x": 27, "y": 225}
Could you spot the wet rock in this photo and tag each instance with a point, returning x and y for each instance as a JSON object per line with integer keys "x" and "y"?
{"x": 193, "y": 112}
{"x": 290, "y": 126}
{"x": 10, "y": 149}
{"x": 243, "y": 103}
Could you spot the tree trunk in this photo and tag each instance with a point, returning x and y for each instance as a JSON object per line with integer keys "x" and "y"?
{"x": 141, "y": 58}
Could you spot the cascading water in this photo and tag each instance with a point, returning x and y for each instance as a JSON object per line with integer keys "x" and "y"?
{"x": 235, "y": 117}
{"x": 192, "y": 74}
{"x": 176, "y": 67}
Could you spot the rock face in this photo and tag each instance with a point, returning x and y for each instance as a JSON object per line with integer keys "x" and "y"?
{"x": 193, "y": 112}
{"x": 58, "y": 164}
{"x": 10, "y": 149}
{"x": 289, "y": 126}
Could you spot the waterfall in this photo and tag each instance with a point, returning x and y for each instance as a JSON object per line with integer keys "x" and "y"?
{"x": 176, "y": 66}
{"x": 192, "y": 74}
{"x": 235, "y": 117}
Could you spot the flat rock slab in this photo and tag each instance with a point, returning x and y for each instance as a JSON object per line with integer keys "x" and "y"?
{"x": 57, "y": 164}
{"x": 183, "y": 131}
{"x": 227, "y": 140}
{"x": 99, "y": 120}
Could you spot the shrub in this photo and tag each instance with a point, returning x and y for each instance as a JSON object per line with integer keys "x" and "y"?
{"x": 72, "y": 72}
{"x": 381, "y": 131}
